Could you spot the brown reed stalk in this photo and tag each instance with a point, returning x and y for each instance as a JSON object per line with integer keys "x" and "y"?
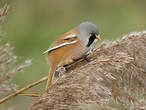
{"x": 7, "y": 61}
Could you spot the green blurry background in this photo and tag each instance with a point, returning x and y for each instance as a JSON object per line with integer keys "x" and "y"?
{"x": 31, "y": 25}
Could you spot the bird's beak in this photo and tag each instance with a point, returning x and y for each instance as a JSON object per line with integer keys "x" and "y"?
{"x": 98, "y": 37}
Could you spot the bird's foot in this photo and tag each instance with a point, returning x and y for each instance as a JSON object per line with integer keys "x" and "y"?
{"x": 60, "y": 71}
{"x": 87, "y": 59}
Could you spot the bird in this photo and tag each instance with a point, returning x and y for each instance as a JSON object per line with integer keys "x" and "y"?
{"x": 75, "y": 44}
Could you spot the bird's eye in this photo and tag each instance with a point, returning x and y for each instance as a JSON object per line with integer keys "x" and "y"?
{"x": 92, "y": 37}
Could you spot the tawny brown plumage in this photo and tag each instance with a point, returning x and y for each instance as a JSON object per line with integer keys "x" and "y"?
{"x": 62, "y": 56}
{"x": 72, "y": 45}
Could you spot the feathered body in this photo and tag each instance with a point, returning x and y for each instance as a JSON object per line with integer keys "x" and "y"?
{"x": 71, "y": 46}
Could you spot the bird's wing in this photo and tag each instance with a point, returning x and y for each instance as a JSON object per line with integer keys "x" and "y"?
{"x": 70, "y": 36}
{"x": 60, "y": 45}
{"x": 66, "y": 39}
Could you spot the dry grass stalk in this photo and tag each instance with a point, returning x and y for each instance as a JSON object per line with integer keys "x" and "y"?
{"x": 7, "y": 61}
{"x": 3, "y": 12}
{"x": 114, "y": 79}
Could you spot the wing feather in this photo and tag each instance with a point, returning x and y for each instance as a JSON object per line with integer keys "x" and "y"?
{"x": 59, "y": 46}
{"x": 70, "y": 37}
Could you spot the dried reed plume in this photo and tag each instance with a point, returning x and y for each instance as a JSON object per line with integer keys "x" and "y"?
{"x": 114, "y": 79}
{"x": 7, "y": 61}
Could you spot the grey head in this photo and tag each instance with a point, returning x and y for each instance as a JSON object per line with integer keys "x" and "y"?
{"x": 87, "y": 33}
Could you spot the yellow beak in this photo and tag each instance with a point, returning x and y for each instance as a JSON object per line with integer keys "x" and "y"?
{"x": 98, "y": 37}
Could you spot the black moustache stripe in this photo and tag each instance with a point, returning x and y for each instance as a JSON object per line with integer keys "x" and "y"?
{"x": 91, "y": 40}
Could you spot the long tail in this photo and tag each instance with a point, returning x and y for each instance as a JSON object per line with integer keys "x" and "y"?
{"x": 50, "y": 76}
